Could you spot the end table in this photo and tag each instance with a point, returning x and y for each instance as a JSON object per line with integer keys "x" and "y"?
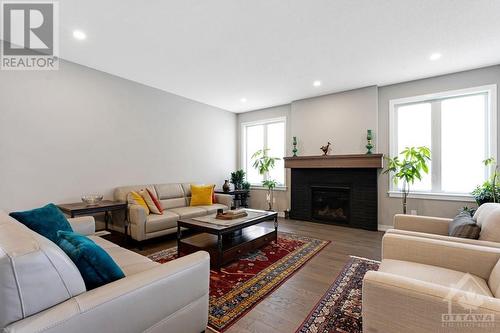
{"x": 105, "y": 206}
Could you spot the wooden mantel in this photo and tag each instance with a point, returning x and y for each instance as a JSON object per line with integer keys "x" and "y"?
{"x": 336, "y": 161}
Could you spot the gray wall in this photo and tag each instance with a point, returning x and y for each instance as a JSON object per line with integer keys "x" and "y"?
{"x": 344, "y": 118}
{"x": 77, "y": 130}
{"x": 390, "y": 206}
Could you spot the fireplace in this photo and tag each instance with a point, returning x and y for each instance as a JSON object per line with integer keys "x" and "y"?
{"x": 331, "y": 203}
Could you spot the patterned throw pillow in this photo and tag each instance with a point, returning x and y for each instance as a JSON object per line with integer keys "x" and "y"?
{"x": 464, "y": 226}
{"x": 151, "y": 201}
{"x": 135, "y": 198}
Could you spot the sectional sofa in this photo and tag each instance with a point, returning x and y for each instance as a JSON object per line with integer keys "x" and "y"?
{"x": 41, "y": 290}
{"x": 175, "y": 199}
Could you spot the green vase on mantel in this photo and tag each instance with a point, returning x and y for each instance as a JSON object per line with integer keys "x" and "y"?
{"x": 369, "y": 138}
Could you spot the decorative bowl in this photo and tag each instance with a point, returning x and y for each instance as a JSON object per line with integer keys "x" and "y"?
{"x": 92, "y": 199}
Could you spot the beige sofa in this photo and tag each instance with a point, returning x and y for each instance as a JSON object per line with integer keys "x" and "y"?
{"x": 422, "y": 284}
{"x": 487, "y": 217}
{"x": 175, "y": 199}
{"x": 41, "y": 290}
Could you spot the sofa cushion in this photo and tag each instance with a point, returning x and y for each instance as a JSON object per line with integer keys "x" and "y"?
{"x": 437, "y": 275}
{"x": 129, "y": 261}
{"x": 188, "y": 212}
{"x": 211, "y": 209}
{"x": 489, "y": 220}
{"x": 494, "y": 280}
{"x": 464, "y": 226}
{"x": 46, "y": 221}
{"x": 173, "y": 203}
{"x": 35, "y": 274}
{"x": 484, "y": 211}
{"x": 169, "y": 191}
{"x": 161, "y": 222}
{"x": 121, "y": 192}
{"x": 94, "y": 263}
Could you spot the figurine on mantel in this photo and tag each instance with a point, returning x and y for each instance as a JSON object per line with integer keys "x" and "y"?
{"x": 326, "y": 149}
{"x": 294, "y": 143}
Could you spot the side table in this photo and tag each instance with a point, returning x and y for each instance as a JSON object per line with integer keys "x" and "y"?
{"x": 240, "y": 197}
{"x": 105, "y": 206}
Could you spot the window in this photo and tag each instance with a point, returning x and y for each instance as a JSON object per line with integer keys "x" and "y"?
{"x": 268, "y": 134}
{"x": 460, "y": 129}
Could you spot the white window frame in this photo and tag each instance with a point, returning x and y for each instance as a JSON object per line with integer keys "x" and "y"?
{"x": 490, "y": 133}
{"x": 243, "y": 146}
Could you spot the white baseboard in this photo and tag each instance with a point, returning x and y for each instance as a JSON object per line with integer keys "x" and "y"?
{"x": 384, "y": 227}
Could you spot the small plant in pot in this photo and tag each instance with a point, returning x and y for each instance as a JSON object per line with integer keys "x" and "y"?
{"x": 237, "y": 179}
{"x": 408, "y": 167}
{"x": 489, "y": 191}
{"x": 264, "y": 163}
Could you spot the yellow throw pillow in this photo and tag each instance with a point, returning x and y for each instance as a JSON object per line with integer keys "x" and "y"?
{"x": 201, "y": 195}
{"x": 136, "y": 199}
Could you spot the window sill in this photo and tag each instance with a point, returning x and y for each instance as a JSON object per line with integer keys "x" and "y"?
{"x": 262, "y": 188}
{"x": 434, "y": 196}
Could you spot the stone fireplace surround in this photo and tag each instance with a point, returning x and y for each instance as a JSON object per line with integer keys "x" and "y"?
{"x": 357, "y": 174}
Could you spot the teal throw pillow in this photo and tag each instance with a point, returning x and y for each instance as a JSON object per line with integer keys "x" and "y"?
{"x": 46, "y": 221}
{"x": 95, "y": 265}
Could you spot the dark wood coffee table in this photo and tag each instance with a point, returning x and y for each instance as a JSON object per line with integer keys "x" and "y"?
{"x": 227, "y": 243}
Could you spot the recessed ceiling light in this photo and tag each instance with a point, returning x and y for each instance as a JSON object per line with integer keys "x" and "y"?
{"x": 80, "y": 35}
{"x": 317, "y": 83}
{"x": 435, "y": 56}
{"x": 243, "y": 100}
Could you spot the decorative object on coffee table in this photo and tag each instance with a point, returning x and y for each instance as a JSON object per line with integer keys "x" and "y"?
{"x": 339, "y": 310}
{"x": 294, "y": 150}
{"x": 325, "y": 149}
{"x": 92, "y": 199}
{"x": 226, "y": 187}
{"x": 369, "y": 138}
{"x": 241, "y": 285}
{"x": 104, "y": 206}
{"x": 227, "y": 240}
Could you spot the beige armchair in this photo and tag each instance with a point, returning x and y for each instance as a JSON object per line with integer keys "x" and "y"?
{"x": 487, "y": 217}
{"x": 430, "y": 285}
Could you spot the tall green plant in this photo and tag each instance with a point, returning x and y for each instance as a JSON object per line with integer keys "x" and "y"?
{"x": 264, "y": 163}
{"x": 409, "y": 166}
{"x": 489, "y": 191}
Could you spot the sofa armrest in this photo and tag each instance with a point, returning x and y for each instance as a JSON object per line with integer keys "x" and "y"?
{"x": 137, "y": 217}
{"x": 84, "y": 225}
{"x": 393, "y": 303}
{"x": 224, "y": 199}
{"x": 445, "y": 238}
{"x": 432, "y": 225}
{"x": 171, "y": 297}
{"x": 467, "y": 258}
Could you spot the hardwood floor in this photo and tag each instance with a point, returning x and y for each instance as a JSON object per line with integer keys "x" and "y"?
{"x": 287, "y": 307}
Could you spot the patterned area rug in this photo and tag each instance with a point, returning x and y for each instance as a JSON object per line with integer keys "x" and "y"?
{"x": 241, "y": 285}
{"x": 339, "y": 310}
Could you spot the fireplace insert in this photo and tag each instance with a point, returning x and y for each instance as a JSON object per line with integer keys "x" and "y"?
{"x": 331, "y": 204}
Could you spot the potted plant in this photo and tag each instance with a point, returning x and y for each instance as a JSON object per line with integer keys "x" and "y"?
{"x": 408, "y": 167}
{"x": 237, "y": 179}
{"x": 264, "y": 163}
{"x": 489, "y": 191}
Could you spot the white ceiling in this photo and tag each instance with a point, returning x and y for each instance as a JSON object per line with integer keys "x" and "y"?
{"x": 271, "y": 51}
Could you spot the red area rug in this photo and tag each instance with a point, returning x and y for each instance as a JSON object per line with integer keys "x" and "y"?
{"x": 339, "y": 310}
{"x": 239, "y": 286}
